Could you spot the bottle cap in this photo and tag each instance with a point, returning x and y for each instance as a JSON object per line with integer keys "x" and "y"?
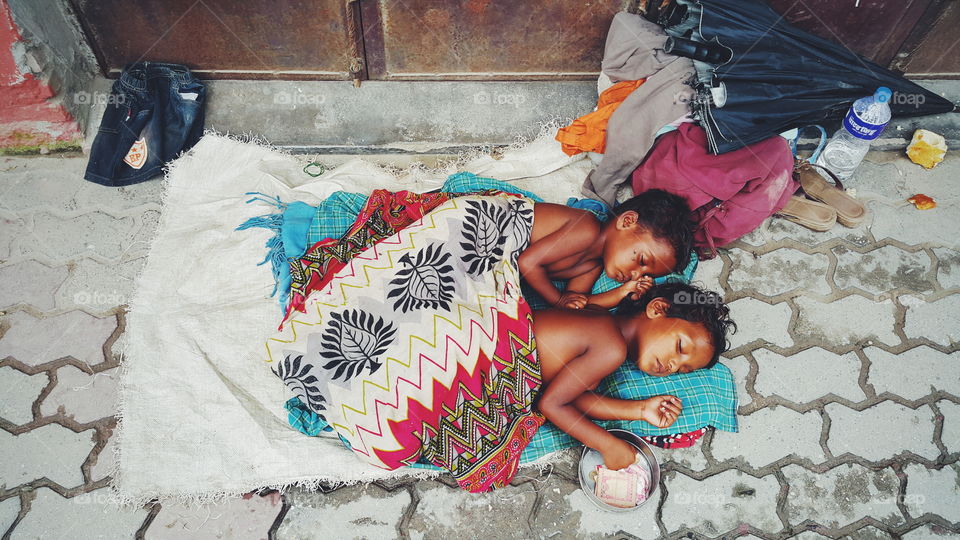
{"x": 882, "y": 95}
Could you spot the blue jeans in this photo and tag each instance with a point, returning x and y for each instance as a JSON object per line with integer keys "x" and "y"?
{"x": 155, "y": 111}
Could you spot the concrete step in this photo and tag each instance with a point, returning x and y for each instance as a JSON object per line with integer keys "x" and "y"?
{"x": 407, "y": 117}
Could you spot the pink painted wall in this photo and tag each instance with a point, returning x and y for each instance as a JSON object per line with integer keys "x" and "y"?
{"x": 30, "y": 114}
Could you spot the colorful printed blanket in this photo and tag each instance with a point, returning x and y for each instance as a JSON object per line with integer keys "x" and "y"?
{"x": 422, "y": 345}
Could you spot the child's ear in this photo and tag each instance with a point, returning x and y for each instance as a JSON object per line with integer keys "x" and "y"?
{"x": 627, "y": 220}
{"x": 657, "y": 308}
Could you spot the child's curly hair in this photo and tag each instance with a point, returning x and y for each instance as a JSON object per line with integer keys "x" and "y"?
{"x": 693, "y": 304}
{"x": 666, "y": 216}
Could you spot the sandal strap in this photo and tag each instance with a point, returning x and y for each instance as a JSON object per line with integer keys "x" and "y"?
{"x": 802, "y": 162}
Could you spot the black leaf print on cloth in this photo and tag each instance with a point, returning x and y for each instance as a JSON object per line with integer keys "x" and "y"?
{"x": 483, "y": 235}
{"x": 518, "y": 228}
{"x": 426, "y": 281}
{"x": 354, "y": 340}
{"x": 295, "y": 373}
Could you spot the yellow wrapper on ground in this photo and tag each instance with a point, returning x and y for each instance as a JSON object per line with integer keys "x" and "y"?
{"x": 927, "y": 148}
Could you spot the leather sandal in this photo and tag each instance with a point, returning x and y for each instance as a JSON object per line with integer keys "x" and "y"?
{"x": 850, "y": 212}
{"x": 811, "y": 214}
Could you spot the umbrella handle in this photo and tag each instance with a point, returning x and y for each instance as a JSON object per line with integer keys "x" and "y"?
{"x": 816, "y": 153}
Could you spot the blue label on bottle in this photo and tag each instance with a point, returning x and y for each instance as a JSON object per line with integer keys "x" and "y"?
{"x": 860, "y": 129}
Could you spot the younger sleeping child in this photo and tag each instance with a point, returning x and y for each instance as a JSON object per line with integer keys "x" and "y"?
{"x": 649, "y": 236}
{"x": 672, "y": 328}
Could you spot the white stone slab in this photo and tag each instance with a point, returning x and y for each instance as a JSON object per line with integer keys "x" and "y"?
{"x": 948, "y": 269}
{"x": 18, "y": 391}
{"x": 882, "y": 270}
{"x": 936, "y": 321}
{"x": 762, "y": 434}
{"x": 721, "y": 503}
{"x": 842, "y": 495}
{"x": 950, "y": 436}
{"x": 808, "y": 375}
{"x": 90, "y": 515}
{"x": 247, "y": 517}
{"x": 843, "y": 322}
{"x": 52, "y": 451}
{"x": 566, "y": 512}
{"x": 9, "y": 509}
{"x": 367, "y": 511}
{"x": 740, "y": 367}
{"x": 931, "y": 491}
{"x": 778, "y": 272}
{"x": 758, "y": 320}
{"x": 445, "y": 512}
{"x": 30, "y": 283}
{"x": 882, "y": 431}
{"x": 38, "y": 341}
{"x": 83, "y": 397}
{"x": 914, "y": 373}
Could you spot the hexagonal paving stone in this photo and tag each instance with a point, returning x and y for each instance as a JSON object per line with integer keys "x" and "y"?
{"x": 93, "y": 233}
{"x": 931, "y": 491}
{"x": 14, "y": 231}
{"x": 841, "y": 323}
{"x": 83, "y": 397}
{"x": 951, "y": 425}
{"x": 54, "y": 451}
{"x": 740, "y": 367}
{"x": 808, "y": 375}
{"x": 929, "y": 369}
{"x": 778, "y": 272}
{"x": 138, "y": 245}
{"x": 882, "y": 431}
{"x": 777, "y": 229}
{"x": 882, "y": 270}
{"x": 9, "y": 509}
{"x": 237, "y": 517}
{"x": 869, "y": 533}
{"x": 948, "y": 269}
{"x": 928, "y": 532}
{"x": 367, "y": 511}
{"x": 31, "y": 283}
{"x": 759, "y": 320}
{"x": 566, "y": 512}
{"x": 842, "y": 495}
{"x": 762, "y": 435}
{"x": 90, "y": 515}
{"x": 99, "y": 288}
{"x": 927, "y": 319}
{"x": 38, "y": 341}
{"x": 446, "y": 512}
{"x": 720, "y": 503}
{"x": 19, "y": 391}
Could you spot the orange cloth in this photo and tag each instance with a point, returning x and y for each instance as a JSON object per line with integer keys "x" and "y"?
{"x": 589, "y": 133}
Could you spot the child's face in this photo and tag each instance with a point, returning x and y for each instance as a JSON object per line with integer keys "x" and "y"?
{"x": 667, "y": 345}
{"x": 631, "y": 251}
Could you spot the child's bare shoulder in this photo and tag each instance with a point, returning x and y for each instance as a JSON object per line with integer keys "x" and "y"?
{"x": 577, "y": 227}
{"x": 584, "y": 329}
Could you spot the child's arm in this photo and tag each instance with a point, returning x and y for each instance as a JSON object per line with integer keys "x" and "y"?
{"x": 659, "y": 411}
{"x": 581, "y": 286}
{"x": 558, "y": 245}
{"x": 613, "y": 297}
{"x": 578, "y": 376}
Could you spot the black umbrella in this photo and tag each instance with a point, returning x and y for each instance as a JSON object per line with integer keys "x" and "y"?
{"x": 759, "y": 76}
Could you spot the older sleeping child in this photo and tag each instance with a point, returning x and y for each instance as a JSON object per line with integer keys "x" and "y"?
{"x": 673, "y": 328}
{"x": 650, "y": 235}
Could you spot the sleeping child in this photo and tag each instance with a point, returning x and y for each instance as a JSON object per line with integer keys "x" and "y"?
{"x": 672, "y": 328}
{"x": 649, "y": 236}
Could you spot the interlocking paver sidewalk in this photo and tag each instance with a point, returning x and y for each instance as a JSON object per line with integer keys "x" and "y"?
{"x": 846, "y": 363}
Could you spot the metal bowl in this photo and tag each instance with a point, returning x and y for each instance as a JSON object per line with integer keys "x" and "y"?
{"x": 590, "y": 458}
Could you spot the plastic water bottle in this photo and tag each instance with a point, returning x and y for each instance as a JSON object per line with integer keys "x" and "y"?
{"x": 864, "y": 122}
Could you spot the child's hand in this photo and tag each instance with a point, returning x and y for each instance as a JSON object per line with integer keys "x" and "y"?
{"x": 637, "y": 287}
{"x": 572, "y": 300}
{"x": 660, "y": 411}
{"x": 619, "y": 455}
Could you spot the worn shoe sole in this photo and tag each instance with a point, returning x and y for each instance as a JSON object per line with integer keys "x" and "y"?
{"x": 850, "y": 212}
{"x": 811, "y": 214}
